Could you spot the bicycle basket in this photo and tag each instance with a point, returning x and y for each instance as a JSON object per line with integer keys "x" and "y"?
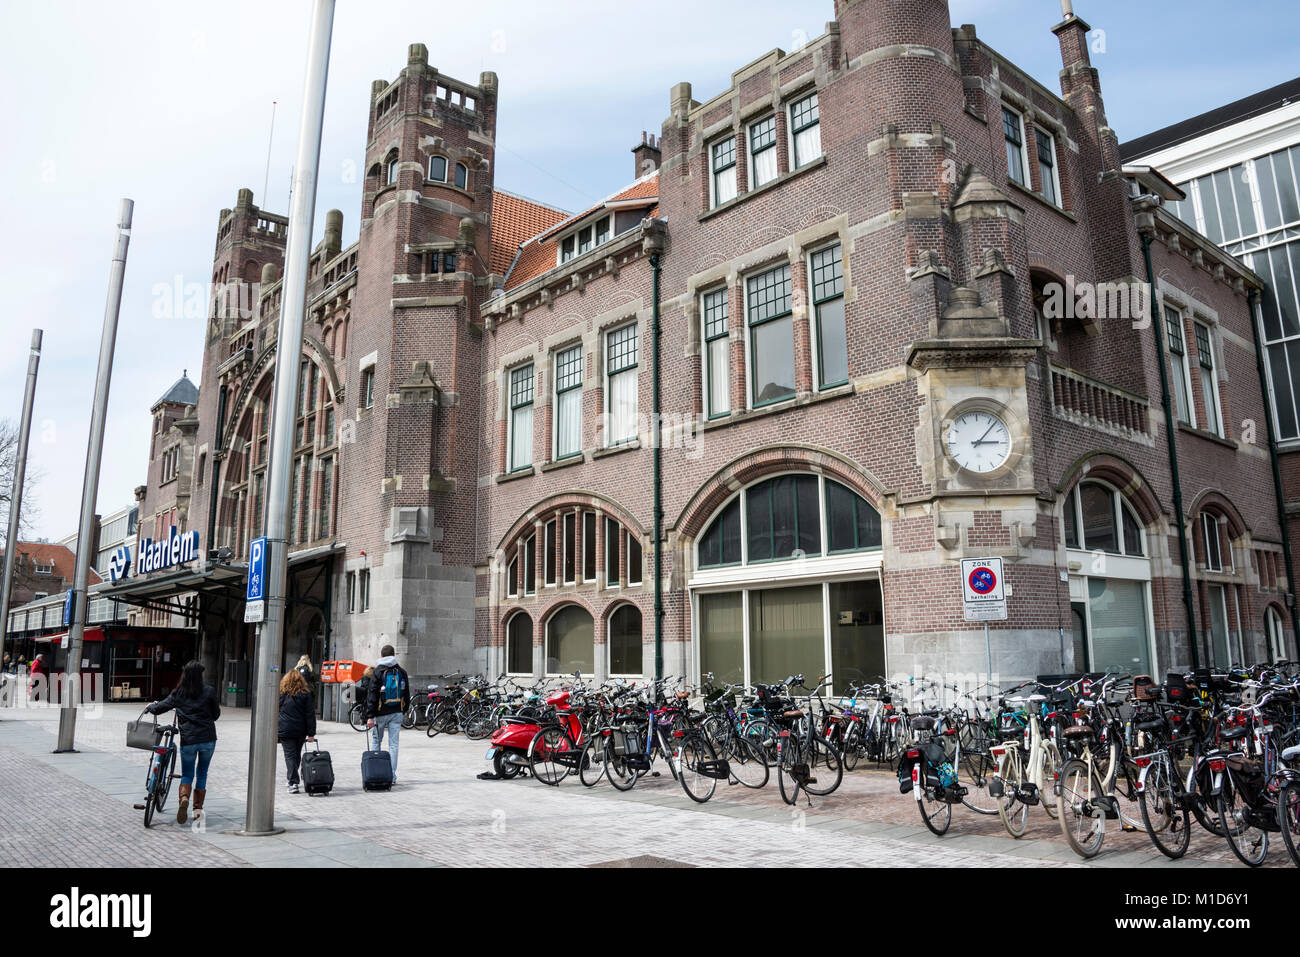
{"x": 1145, "y": 688}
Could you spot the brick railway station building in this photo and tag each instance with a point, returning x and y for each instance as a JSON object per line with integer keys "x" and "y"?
{"x": 855, "y": 258}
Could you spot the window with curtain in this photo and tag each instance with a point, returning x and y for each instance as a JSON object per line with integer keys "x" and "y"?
{"x": 762, "y": 152}
{"x": 519, "y": 645}
{"x": 805, "y": 127}
{"x": 771, "y": 326}
{"x": 568, "y": 402}
{"x": 828, "y": 306}
{"x": 717, "y": 353}
{"x": 786, "y": 633}
{"x": 570, "y": 642}
{"x": 521, "y": 418}
{"x": 1119, "y": 626}
{"x": 625, "y": 641}
{"x": 722, "y": 636}
{"x": 621, "y": 365}
{"x": 723, "y": 160}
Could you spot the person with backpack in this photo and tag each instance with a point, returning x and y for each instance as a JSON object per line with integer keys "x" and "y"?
{"x": 297, "y": 722}
{"x": 197, "y": 711}
{"x": 387, "y": 699}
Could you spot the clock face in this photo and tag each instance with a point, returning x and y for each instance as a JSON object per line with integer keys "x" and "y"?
{"x": 979, "y": 441}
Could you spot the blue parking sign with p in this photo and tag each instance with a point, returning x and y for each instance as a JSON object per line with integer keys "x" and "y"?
{"x": 257, "y": 570}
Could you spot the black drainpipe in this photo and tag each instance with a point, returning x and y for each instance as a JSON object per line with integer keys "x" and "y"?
{"x": 657, "y": 438}
{"x": 1171, "y": 435}
{"x": 1252, "y": 298}
{"x": 215, "y": 470}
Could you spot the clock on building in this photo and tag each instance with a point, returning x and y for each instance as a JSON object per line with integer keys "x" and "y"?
{"x": 979, "y": 441}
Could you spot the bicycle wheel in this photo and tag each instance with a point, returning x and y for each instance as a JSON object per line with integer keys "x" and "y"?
{"x": 1248, "y": 841}
{"x": 357, "y": 718}
{"x": 1288, "y": 818}
{"x": 150, "y": 782}
{"x": 591, "y": 766}
{"x": 1013, "y": 812}
{"x": 748, "y": 762}
{"x": 1051, "y": 768}
{"x": 1168, "y": 825}
{"x": 616, "y": 769}
{"x": 164, "y": 785}
{"x": 849, "y": 750}
{"x": 544, "y": 755}
{"x": 692, "y": 751}
{"x": 790, "y": 767}
{"x": 408, "y": 718}
{"x": 977, "y": 768}
{"x": 480, "y": 725}
{"x": 825, "y": 765}
{"x": 1084, "y": 828}
{"x": 936, "y": 812}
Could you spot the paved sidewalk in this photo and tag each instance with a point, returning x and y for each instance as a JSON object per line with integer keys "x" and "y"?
{"x": 440, "y": 814}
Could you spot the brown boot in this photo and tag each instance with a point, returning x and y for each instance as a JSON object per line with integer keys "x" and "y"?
{"x": 183, "y": 809}
{"x": 199, "y": 795}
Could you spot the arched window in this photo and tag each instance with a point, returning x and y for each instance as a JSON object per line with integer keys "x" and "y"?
{"x": 1276, "y": 634}
{"x": 462, "y": 176}
{"x": 391, "y": 169}
{"x": 625, "y": 641}
{"x": 570, "y": 642}
{"x": 438, "y": 169}
{"x": 1098, "y": 519}
{"x": 519, "y": 645}
{"x": 783, "y": 518}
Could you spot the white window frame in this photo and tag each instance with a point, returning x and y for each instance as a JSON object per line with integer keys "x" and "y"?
{"x": 750, "y": 352}
{"x": 591, "y": 227}
{"x": 796, "y": 161}
{"x": 715, "y": 172}
{"x": 610, "y": 440}
{"x": 1213, "y": 556}
{"x": 1024, "y": 153}
{"x": 1184, "y": 368}
{"x": 1074, "y": 501}
{"x": 559, "y": 390}
{"x": 1213, "y": 369}
{"x": 445, "y": 165}
{"x": 457, "y": 171}
{"x": 705, "y": 356}
{"x": 814, "y": 322}
{"x": 752, "y": 155}
{"x": 1055, "y": 197}
{"x": 391, "y": 169}
{"x": 512, "y": 576}
{"x": 512, "y": 408}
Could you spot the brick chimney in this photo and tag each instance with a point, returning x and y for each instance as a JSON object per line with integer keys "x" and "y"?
{"x": 646, "y": 154}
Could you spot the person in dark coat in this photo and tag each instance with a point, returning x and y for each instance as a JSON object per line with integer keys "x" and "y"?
{"x": 297, "y": 722}
{"x": 197, "y": 711}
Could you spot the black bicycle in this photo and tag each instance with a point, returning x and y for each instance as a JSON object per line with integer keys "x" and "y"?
{"x": 158, "y": 779}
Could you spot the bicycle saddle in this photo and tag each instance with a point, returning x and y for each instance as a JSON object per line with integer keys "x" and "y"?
{"x": 1078, "y": 731}
{"x": 923, "y": 723}
{"x": 1037, "y": 698}
{"x": 1292, "y": 753}
{"x": 1232, "y": 734}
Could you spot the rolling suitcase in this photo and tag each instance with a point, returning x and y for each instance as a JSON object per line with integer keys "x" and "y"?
{"x": 376, "y": 771}
{"x": 317, "y": 771}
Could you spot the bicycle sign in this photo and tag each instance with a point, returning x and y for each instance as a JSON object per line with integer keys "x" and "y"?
{"x": 255, "y": 598}
{"x": 983, "y": 595}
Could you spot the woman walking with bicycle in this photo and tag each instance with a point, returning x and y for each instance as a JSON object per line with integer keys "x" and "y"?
{"x": 197, "y": 708}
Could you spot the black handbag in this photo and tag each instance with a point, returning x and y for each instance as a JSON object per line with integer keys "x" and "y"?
{"x": 143, "y": 734}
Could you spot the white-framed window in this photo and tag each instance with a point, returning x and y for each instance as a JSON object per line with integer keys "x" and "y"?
{"x": 512, "y": 578}
{"x": 588, "y": 546}
{"x": 829, "y": 331}
{"x": 521, "y": 418}
{"x": 1047, "y": 171}
{"x": 1097, "y": 519}
{"x": 621, "y": 388}
{"x": 438, "y": 169}
{"x": 612, "y": 577}
{"x": 1013, "y": 131}
{"x": 1178, "y": 369}
{"x": 716, "y": 337}
{"x": 805, "y": 131}
{"x": 365, "y": 589}
{"x": 1209, "y": 381}
{"x": 530, "y": 564}
{"x": 635, "y": 559}
{"x": 586, "y": 239}
{"x": 367, "y": 398}
{"x": 1276, "y": 634}
{"x": 391, "y": 170}
{"x": 568, "y": 402}
{"x": 570, "y": 521}
{"x": 352, "y": 592}
{"x": 769, "y": 314}
{"x": 462, "y": 176}
{"x": 762, "y": 152}
{"x": 722, "y": 165}
{"x": 548, "y": 558}
{"x": 1212, "y": 543}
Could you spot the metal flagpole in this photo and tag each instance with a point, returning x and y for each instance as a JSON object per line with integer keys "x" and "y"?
{"x": 16, "y": 491}
{"x": 260, "y": 818}
{"x": 90, "y": 486}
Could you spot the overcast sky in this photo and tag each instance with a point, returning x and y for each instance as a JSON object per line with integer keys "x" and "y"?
{"x": 170, "y": 104}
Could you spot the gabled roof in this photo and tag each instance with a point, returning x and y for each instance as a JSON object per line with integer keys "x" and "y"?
{"x": 537, "y": 255}
{"x": 515, "y": 219}
{"x": 182, "y": 392}
{"x": 61, "y": 557}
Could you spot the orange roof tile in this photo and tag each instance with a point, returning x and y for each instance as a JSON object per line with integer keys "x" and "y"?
{"x": 515, "y": 219}
{"x": 537, "y": 255}
{"x": 61, "y": 557}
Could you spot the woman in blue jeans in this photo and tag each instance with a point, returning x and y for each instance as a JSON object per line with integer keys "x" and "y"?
{"x": 197, "y": 711}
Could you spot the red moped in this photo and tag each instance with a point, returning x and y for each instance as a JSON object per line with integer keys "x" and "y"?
{"x": 550, "y": 748}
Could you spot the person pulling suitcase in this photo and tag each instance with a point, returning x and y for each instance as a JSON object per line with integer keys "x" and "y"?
{"x": 297, "y": 723}
{"x": 387, "y": 699}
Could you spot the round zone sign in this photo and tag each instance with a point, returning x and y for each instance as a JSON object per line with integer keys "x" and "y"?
{"x": 982, "y": 580}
